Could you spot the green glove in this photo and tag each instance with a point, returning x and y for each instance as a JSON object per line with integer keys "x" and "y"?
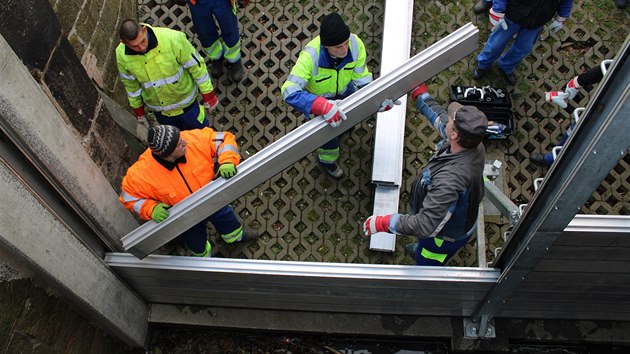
{"x": 160, "y": 212}
{"x": 227, "y": 170}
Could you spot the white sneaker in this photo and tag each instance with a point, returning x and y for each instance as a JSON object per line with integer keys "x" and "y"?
{"x": 333, "y": 170}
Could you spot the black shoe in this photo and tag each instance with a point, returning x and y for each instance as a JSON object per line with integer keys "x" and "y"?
{"x": 538, "y": 159}
{"x": 236, "y": 71}
{"x": 478, "y": 73}
{"x": 216, "y": 68}
{"x": 621, "y": 4}
{"x": 510, "y": 78}
{"x": 333, "y": 170}
{"x": 482, "y": 6}
{"x": 249, "y": 235}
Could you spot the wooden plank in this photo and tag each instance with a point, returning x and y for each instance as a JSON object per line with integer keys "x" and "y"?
{"x": 551, "y": 313}
{"x": 584, "y": 299}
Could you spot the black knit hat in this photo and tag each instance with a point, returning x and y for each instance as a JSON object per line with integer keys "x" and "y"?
{"x": 163, "y": 139}
{"x": 333, "y": 30}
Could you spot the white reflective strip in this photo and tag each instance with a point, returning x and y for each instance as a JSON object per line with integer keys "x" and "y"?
{"x": 314, "y": 58}
{"x": 441, "y": 225}
{"x": 127, "y": 77}
{"x": 135, "y": 93}
{"x": 290, "y": 90}
{"x": 203, "y": 79}
{"x": 227, "y": 148}
{"x": 354, "y": 47}
{"x": 138, "y": 205}
{"x": 192, "y": 62}
{"x": 359, "y": 69}
{"x": 218, "y": 140}
{"x": 165, "y": 81}
{"x": 183, "y": 103}
{"x": 298, "y": 80}
{"x": 363, "y": 81}
{"x": 126, "y": 197}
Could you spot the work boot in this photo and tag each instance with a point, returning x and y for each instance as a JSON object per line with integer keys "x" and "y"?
{"x": 482, "y": 6}
{"x": 216, "y": 68}
{"x": 410, "y": 249}
{"x": 236, "y": 71}
{"x": 510, "y": 78}
{"x": 249, "y": 235}
{"x": 333, "y": 170}
{"x": 478, "y": 73}
{"x": 621, "y": 4}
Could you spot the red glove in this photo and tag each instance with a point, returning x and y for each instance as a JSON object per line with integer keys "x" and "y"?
{"x": 139, "y": 112}
{"x": 210, "y": 100}
{"x": 330, "y": 111}
{"x": 418, "y": 91}
{"x": 376, "y": 223}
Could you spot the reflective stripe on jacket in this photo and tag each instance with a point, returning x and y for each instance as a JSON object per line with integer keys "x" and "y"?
{"x": 166, "y": 78}
{"x": 148, "y": 182}
{"x": 315, "y": 74}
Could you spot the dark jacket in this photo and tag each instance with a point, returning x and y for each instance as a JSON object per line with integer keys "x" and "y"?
{"x": 446, "y": 195}
{"x": 533, "y": 13}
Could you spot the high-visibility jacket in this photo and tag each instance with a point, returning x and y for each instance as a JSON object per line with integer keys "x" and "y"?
{"x": 166, "y": 77}
{"x": 148, "y": 182}
{"x": 315, "y": 74}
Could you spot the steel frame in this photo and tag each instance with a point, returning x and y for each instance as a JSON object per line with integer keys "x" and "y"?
{"x": 597, "y": 143}
{"x": 301, "y": 141}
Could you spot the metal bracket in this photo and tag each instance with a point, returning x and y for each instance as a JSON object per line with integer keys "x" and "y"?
{"x": 483, "y": 330}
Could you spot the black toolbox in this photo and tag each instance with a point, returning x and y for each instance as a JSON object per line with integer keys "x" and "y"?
{"x": 494, "y": 102}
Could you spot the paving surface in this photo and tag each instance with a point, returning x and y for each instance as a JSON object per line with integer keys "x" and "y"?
{"x": 305, "y": 215}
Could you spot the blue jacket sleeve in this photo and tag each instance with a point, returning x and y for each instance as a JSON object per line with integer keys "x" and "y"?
{"x": 302, "y": 101}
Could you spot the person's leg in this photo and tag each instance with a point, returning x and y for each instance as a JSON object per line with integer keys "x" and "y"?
{"x": 196, "y": 239}
{"x": 522, "y": 47}
{"x": 203, "y": 21}
{"x": 434, "y": 251}
{"x": 497, "y": 41}
{"x": 227, "y": 224}
{"x": 228, "y": 22}
{"x": 327, "y": 156}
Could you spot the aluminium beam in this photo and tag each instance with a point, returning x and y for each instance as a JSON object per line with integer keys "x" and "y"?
{"x": 301, "y": 141}
{"x": 389, "y": 137}
{"x": 598, "y": 141}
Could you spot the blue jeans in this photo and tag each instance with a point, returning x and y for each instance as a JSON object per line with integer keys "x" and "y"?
{"x": 186, "y": 121}
{"x": 498, "y": 40}
{"x": 224, "y": 221}
{"x": 203, "y": 16}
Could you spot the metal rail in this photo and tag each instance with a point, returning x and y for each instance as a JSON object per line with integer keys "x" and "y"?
{"x": 389, "y": 136}
{"x": 300, "y": 142}
{"x": 598, "y": 141}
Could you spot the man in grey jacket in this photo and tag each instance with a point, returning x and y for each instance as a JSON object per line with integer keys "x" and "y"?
{"x": 446, "y": 194}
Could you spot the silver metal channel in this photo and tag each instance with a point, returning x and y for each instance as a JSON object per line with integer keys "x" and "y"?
{"x": 598, "y": 141}
{"x": 304, "y": 286}
{"x": 390, "y": 126}
{"x": 300, "y": 142}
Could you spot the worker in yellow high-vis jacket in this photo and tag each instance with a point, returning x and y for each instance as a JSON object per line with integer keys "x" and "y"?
{"x": 163, "y": 72}
{"x": 331, "y": 67}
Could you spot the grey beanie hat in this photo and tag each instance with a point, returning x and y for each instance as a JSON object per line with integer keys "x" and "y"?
{"x": 163, "y": 139}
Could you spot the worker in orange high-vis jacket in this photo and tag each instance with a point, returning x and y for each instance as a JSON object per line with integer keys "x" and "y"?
{"x": 176, "y": 165}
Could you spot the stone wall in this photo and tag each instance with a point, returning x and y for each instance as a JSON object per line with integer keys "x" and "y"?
{"x": 71, "y": 55}
{"x": 33, "y": 320}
